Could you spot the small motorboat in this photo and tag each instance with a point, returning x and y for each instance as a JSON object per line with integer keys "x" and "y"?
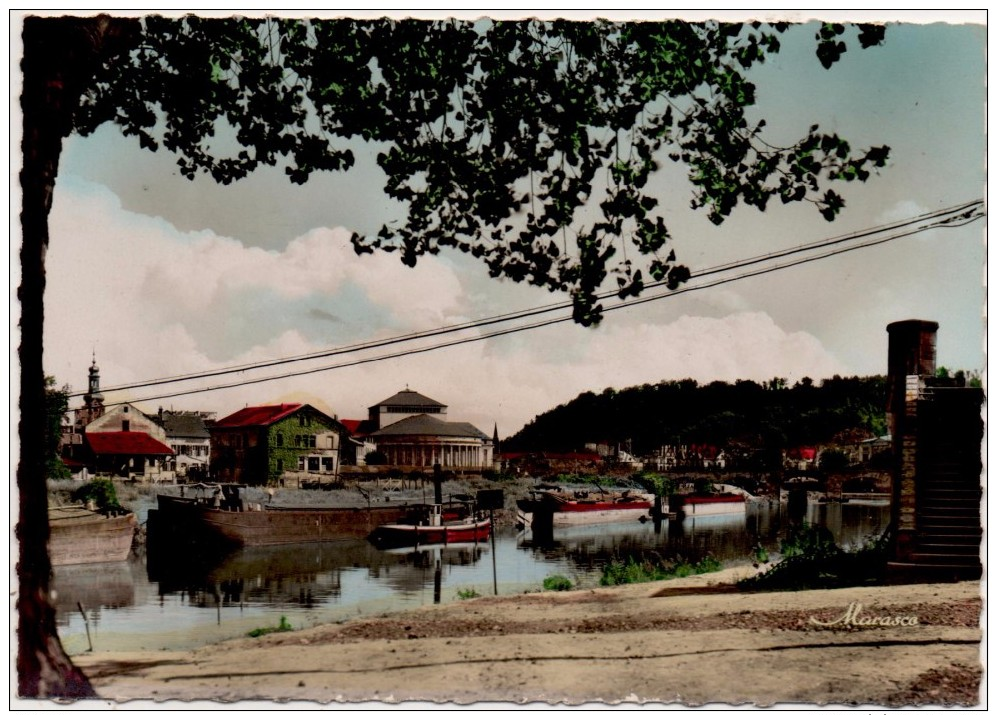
{"x": 432, "y": 526}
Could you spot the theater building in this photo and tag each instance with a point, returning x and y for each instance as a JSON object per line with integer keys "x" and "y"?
{"x": 412, "y": 430}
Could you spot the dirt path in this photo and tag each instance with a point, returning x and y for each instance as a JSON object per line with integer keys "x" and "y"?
{"x": 691, "y": 641}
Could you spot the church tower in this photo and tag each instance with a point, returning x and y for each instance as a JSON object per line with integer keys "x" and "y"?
{"x": 93, "y": 400}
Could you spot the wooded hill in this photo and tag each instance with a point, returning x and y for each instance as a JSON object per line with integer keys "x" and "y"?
{"x": 746, "y": 413}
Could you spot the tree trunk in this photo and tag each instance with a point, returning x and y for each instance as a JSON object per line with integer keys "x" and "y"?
{"x": 60, "y": 55}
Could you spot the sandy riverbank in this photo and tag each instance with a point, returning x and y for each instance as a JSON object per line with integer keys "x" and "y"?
{"x": 690, "y": 641}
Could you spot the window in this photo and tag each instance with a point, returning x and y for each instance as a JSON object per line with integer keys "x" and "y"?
{"x": 327, "y": 464}
{"x": 125, "y": 425}
{"x": 311, "y": 440}
{"x": 280, "y": 466}
{"x": 280, "y": 440}
{"x": 301, "y": 464}
{"x": 313, "y": 464}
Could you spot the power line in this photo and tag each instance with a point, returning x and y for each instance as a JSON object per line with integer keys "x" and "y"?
{"x": 941, "y": 216}
{"x": 962, "y": 219}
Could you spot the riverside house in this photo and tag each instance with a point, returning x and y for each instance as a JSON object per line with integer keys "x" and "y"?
{"x": 268, "y": 444}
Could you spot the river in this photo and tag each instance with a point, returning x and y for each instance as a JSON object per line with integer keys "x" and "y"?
{"x": 199, "y": 598}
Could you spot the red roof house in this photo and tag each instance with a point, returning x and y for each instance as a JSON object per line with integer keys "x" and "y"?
{"x": 259, "y": 416}
{"x": 126, "y": 443}
{"x": 261, "y": 444}
{"x": 135, "y": 455}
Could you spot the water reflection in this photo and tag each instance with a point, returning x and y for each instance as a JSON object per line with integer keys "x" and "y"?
{"x": 185, "y": 599}
{"x": 92, "y": 587}
{"x": 299, "y": 575}
{"x": 730, "y": 538}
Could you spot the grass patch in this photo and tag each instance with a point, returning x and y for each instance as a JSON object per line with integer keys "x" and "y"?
{"x": 282, "y": 627}
{"x": 633, "y": 571}
{"x": 466, "y": 593}
{"x": 557, "y": 582}
{"x": 812, "y": 560}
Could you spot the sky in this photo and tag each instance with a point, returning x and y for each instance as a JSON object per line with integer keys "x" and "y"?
{"x": 160, "y": 276}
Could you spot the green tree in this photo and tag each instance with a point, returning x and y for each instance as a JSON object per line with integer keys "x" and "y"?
{"x": 56, "y": 406}
{"x": 501, "y": 138}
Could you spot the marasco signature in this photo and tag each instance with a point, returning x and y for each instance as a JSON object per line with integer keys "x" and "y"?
{"x": 852, "y": 617}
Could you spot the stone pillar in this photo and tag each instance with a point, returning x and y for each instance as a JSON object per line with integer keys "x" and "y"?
{"x": 911, "y": 352}
{"x": 911, "y": 358}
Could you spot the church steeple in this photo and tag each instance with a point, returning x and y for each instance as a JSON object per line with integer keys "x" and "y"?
{"x": 94, "y": 400}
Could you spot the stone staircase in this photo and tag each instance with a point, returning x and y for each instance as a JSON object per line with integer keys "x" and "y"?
{"x": 948, "y": 510}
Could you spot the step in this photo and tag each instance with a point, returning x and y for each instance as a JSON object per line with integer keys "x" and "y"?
{"x": 937, "y": 530}
{"x": 944, "y": 559}
{"x": 949, "y": 511}
{"x": 952, "y": 549}
{"x": 963, "y": 505}
{"x": 898, "y": 572}
{"x": 949, "y": 482}
{"x": 945, "y": 516}
{"x": 948, "y": 538}
{"x": 933, "y": 494}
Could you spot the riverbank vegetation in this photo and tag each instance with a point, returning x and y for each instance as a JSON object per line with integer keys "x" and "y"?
{"x": 812, "y": 560}
{"x": 281, "y": 627}
{"x": 99, "y": 491}
{"x": 557, "y": 582}
{"x": 632, "y": 571}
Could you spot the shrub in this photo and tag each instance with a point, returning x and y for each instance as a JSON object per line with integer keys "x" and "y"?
{"x": 376, "y": 458}
{"x": 813, "y": 560}
{"x": 809, "y": 541}
{"x": 657, "y": 484}
{"x": 558, "y": 582}
{"x": 833, "y": 460}
{"x": 703, "y": 486}
{"x": 466, "y": 593}
{"x": 279, "y": 628}
{"x": 100, "y": 491}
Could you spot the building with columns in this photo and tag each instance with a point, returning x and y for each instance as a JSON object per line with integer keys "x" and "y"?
{"x": 411, "y": 430}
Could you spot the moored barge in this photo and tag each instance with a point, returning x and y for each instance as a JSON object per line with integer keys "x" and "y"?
{"x": 687, "y": 505}
{"x": 78, "y": 535}
{"x": 557, "y": 509}
{"x": 230, "y": 522}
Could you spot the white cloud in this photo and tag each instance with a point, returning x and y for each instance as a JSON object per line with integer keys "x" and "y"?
{"x": 141, "y": 293}
{"x": 901, "y": 210}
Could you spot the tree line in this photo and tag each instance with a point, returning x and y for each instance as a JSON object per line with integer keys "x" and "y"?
{"x": 744, "y": 413}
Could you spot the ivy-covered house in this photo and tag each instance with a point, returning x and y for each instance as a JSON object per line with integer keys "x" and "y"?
{"x": 260, "y": 445}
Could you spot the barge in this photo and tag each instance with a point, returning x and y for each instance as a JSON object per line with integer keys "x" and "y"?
{"x": 582, "y": 508}
{"x": 688, "y": 505}
{"x": 229, "y": 522}
{"x": 81, "y": 536}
